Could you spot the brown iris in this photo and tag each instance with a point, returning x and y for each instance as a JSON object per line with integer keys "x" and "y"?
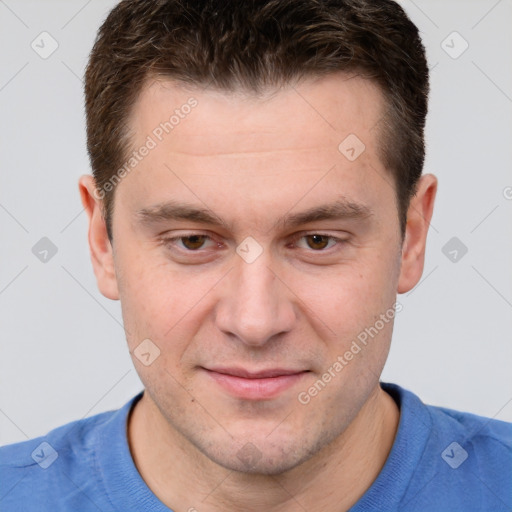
{"x": 317, "y": 241}
{"x": 194, "y": 241}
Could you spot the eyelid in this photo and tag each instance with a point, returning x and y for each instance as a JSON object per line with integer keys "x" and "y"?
{"x": 167, "y": 240}
{"x": 301, "y": 234}
{"x": 304, "y": 234}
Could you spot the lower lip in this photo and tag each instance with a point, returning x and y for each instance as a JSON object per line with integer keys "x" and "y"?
{"x": 255, "y": 389}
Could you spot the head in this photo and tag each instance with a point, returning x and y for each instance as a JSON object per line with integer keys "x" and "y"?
{"x": 257, "y": 203}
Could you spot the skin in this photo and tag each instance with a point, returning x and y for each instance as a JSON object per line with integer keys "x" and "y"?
{"x": 252, "y": 161}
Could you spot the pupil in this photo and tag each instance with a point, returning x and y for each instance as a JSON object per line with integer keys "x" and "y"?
{"x": 318, "y": 240}
{"x": 193, "y": 242}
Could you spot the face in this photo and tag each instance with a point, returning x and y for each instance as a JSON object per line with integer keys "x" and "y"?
{"x": 254, "y": 254}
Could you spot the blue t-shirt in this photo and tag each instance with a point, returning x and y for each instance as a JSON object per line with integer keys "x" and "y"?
{"x": 441, "y": 460}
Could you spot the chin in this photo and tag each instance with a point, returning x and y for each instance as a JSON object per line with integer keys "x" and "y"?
{"x": 264, "y": 457}
{"x": 258, "y": 463}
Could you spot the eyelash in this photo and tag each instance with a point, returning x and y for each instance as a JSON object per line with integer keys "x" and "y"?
{"x": 338, "y": 241}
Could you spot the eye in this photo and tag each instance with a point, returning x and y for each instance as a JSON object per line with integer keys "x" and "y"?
{"x": 191, "y": 243}
{"x": 319, "y": 241}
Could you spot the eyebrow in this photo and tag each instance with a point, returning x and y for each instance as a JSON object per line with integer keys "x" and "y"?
{"x": 174, "y": 210}
{"x": 338, "y": 210}
{"x": 180, "y": 211}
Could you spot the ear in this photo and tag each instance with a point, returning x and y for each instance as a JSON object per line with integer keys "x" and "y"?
{"x": 418, "y": 221}
{"x": 99, "y": 244}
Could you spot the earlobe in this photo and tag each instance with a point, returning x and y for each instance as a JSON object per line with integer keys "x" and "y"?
{"x": 99, "y": 244}
{"x": 419, "y": 215}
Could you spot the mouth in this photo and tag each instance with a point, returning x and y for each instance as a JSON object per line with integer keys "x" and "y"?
{"x": 255, "y": 385}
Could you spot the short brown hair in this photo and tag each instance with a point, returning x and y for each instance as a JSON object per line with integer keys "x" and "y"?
{"x": 252, "y": 45}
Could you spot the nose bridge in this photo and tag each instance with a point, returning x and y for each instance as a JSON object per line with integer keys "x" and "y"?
{"x": 256, "y": 306}
{"x": 256, "y": 285}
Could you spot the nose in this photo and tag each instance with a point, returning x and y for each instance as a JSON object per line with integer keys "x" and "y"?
{"x": 256, "y": 305}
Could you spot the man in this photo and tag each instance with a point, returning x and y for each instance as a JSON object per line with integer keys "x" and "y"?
{"x": 257, "y": 204}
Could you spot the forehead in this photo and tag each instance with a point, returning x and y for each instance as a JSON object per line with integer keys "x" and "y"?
{"x": 315, "y": 113}
{"x": 284, "y": 146}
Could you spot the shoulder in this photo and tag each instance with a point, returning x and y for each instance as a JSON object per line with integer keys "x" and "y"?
{"x": 475, "y": 446}
{"x": 466, "y": 462}
{"x": 480, "y": 432}
{"x": 49, "y": 472}
{"x": 42, "y": 451}
{"x": 75, "y": 433}
{"x": 474, "y": 458}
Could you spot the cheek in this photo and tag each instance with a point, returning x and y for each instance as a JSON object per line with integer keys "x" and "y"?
{"x": 148, "y": 301}
{"x": 349, "y": 298}
{"x": 153, "y": 308}
{"x": 161, "y": 303}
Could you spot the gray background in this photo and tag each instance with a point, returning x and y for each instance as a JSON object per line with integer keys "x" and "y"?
{"x": 63, "y": 352}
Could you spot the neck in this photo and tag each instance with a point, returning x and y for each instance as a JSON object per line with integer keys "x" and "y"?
{"x": 332, "y": 480}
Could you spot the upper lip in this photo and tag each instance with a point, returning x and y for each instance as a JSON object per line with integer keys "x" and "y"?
{"x": 260, "y": 374}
